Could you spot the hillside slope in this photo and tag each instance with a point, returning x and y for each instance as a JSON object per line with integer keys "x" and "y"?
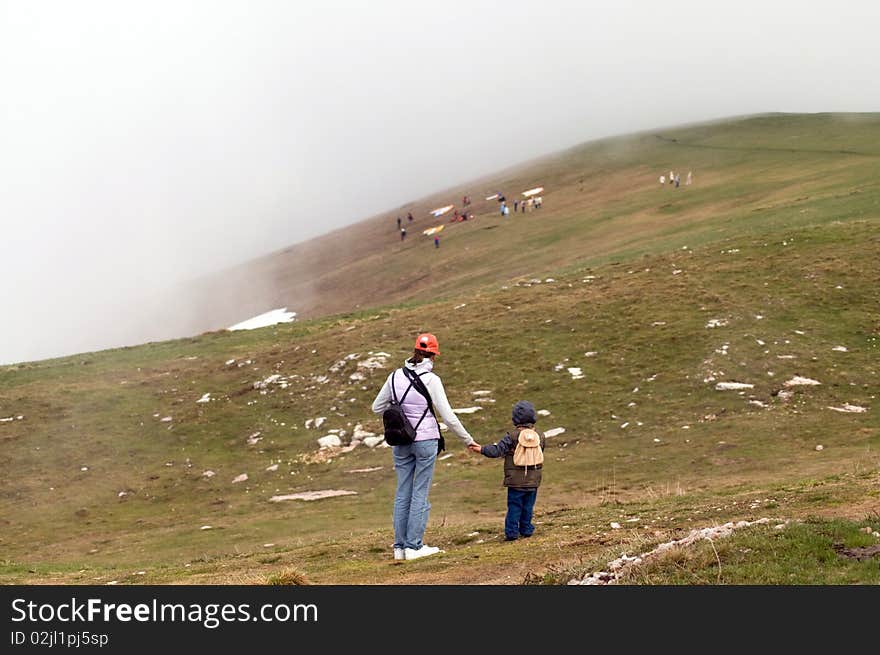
{"x": 602, "y": 200}
{"x": 765, "y": 276}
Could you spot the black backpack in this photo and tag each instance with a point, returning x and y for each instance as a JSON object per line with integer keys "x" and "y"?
{"x": 398, "y": 430}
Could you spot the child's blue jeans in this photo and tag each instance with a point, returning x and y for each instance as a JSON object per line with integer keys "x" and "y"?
{"x": 520, "y": 504}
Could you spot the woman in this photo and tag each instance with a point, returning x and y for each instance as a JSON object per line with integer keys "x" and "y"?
{"x": 414, "y": 462}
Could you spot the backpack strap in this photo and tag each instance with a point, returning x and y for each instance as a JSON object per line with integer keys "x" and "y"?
{"x": 413, "y": 380}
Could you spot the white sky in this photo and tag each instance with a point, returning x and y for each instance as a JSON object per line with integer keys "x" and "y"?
{"x": 144, "y": 143}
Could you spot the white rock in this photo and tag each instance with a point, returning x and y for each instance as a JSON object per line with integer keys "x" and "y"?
{"x": 797, "y": 380}
{"x": 122, "y": 494}
{"x": 208, "y": 474}
{"x": 205, "y": 398}
{"x": 313, "y": 495}
{"x": 166, "y": 419}
{"x": 254, "y": 438}
{"x": 576, "y": 372}
{"x": 851, "y": 409}
{"x": 716, "y": 322}
{"x": 554, "y": 432}
{"x": 273, "y": 467}
{"x": 543, "y": 412}
{"x": 372, "y": 442}
{"x": 840, "y": 349}
{"x": 615, "y": 526}
{"x": 481, "y": 392}
{"x": 206, "y": 527}
{"x": 360, "y": 434}
{"x": 820, "y": 447}
{"x": 330, "y": 441}
{"x": 229, "y": 361}
{"x": 731, "y": 386}
{"x": 467, "y": 410}
{"x": 591, "y": 353}
{"x": 446, "y": 456}
{"x": 320, "y": 421}
{"x": 240, "y": 478}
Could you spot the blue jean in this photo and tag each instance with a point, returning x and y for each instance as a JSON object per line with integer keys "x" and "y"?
{"x": 520, "y": 504}
{"x": 414, "y": 464}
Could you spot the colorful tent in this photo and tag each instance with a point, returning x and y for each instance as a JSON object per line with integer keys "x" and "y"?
{"x": 441, "y": 210}
{"x": 532, "y": 192}
{"x": 433, "y": 230}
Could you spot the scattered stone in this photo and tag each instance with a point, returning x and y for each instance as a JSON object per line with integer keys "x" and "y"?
{"x": 797, "y": 380}
{"x": 867, "y": 530}
{"x": 208, "y": 474}
{"x": 360, "y": 434}
{"x": 372, "y": 442}
{"x": 481, "y": 392}
{"x": 733, "y": 386}
{"x": 446, "y": 456}
{"x": 467, "y": 410}
{"x": 554, "y": 432}
{"x": 716, "y": 322}
{"x": 240, "y": 478}
{"x": 615, "y": 526}
{"x": 122, "y": 494}
{"x": 205, "y": 399}
{"x": 376, "y": 360}
{"x": 268, "y": 545}
{"x": 624, "y": 425}
{"x": 851, "y": 409}
{"x": 576, "y": 373}
{"x": 757, "y": 403}
{"x": 543, "y": 412}
{"x": 254, "y": 438}
{"x": 84, "y": 468}
{"x": 313, "y": 495}
{"x": 330, "y": 441}
{"x": 820, "y": 447}
{"x": 591, "y": 353}
{"x": 320, "y": 421}
{"x": 273, "y": 467}
{"x": 229, "y": 361}
{"x": 366, "y": 470}
{"x": 207, "y": 527}
{"x": 166, "y": 419}
{"x": 840, "y": 349}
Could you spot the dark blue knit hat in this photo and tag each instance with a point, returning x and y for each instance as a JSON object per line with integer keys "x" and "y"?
{"x": 524, "y": 412}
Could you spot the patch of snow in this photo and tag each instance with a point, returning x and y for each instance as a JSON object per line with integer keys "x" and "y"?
{"x": 854, "y": 409}
{"x": 264, "y": 320}
{"x": 732, "y": 386}
{"x": 313, "y": 495}
{"x": 554, "y": 432}
{"x": 798, "y": 381}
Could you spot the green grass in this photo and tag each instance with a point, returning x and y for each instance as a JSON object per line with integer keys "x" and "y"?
{"x": 788, "y": 233}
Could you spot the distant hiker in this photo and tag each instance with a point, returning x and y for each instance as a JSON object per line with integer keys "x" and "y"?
{"x": 538, "y": 202}
{"x": 503, "y": 209}
{"x": 677, "y": 180}
{"x": 398, "y": 223}
{"x": 420, "y": 394}
{"x": 662, "y": 180}
{"x": 689, "y": 179}
{"x": 409, "y": 217}
{"x": 671, "y": 177}
{"x": 515, "y": 206}
{"x": 522, "y": 206}
{"x": 436, "y": 240}
{"x": 523, "y": 453}
{"x": 402, "y": 233}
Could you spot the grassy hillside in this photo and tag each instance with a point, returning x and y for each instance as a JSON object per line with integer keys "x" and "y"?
{"x": 764, "y": 270}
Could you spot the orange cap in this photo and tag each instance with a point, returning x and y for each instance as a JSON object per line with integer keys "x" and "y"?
{"x": 428, "y": 342}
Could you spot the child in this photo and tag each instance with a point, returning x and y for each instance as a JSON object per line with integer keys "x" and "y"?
{"x": 522, "y": 482}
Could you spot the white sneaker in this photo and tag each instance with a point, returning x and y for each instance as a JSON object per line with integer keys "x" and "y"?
{"x": 424, "y": 551}
{"x": 399, "y": 553}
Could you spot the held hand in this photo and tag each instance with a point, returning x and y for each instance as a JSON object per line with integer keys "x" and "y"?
{"x": 475, "y": 447}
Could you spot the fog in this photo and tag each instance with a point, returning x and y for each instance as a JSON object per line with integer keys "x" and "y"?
{"x": 145, "y": 144}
